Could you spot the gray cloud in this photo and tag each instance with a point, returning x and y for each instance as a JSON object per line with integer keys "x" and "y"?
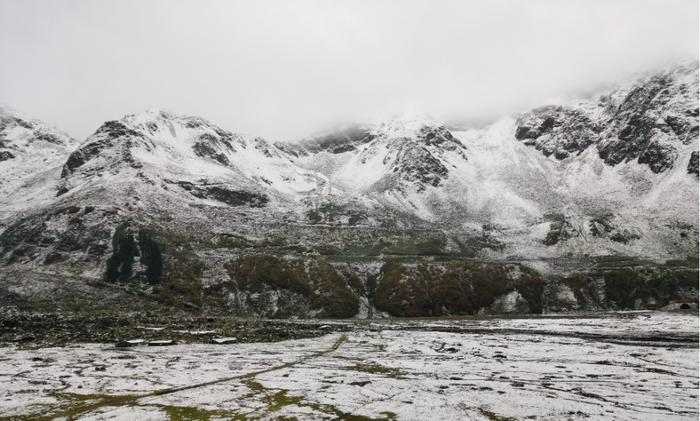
{"x": 284, "y": 68}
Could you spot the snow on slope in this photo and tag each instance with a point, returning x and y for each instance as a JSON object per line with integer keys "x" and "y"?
{"x": 621, "y": 159}
{"x": 183, "y": 154}
{"x": 31, "y": 154}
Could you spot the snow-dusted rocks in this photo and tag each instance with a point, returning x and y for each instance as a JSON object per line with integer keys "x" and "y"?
{"x": 186, "y": 156}
{"x": 396, "y": 155}
{"x": 171, "y": 205}
{"x": 650, "y": 121}
{"x": 31, "y": 154}
{"x": 693, "y": 163}
{"x": 557, "y": 130}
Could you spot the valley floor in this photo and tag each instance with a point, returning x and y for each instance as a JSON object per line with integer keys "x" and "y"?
{"x": 634, "y": 366}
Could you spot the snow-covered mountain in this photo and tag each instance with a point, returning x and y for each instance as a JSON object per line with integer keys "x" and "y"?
{"x": 186, "y": 158}
{"x": 31, "y": 154}
{"x": 175, "y": 200}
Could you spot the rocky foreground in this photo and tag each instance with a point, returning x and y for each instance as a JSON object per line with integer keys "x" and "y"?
{"x": 640, "y": 365}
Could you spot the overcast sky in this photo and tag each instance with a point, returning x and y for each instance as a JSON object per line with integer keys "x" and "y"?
{"x": 284, "y": 68}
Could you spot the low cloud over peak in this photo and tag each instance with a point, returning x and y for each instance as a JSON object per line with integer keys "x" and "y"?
{"x": 282, "y": 69}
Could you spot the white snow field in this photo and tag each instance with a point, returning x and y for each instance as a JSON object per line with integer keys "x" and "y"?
{"x": 620, "y": 366}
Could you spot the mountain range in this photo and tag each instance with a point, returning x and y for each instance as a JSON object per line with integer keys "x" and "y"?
{"x": 584, "y": 205}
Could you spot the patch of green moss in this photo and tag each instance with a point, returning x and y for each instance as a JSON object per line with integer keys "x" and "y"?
{"x": 74, "y": 405}
{"x": 188, "y": 413}
{"x": 373, "y": 368}
{"x": 345, "y": 416}
{"x": 492, "y": 416}
{"x": 280, "y": 399}
{"x": 277, "y": 399}
{"x": 255, "y": 387}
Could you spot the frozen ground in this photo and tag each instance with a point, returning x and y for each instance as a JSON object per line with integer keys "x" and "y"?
{"x": 639, "y": 366}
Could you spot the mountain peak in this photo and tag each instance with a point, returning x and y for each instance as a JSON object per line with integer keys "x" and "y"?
{"x": 651, "y": 121}
{"x": 405, "y": 125}
{"x": 18, "y": 130}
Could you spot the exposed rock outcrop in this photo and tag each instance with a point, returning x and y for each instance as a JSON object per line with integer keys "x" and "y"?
{"x": 693, "y": 163}
{"x": 558, "y": 131}
{"x": 648, "y": 122}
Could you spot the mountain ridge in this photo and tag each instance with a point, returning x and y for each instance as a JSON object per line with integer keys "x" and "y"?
{"x": 184, "y": 211}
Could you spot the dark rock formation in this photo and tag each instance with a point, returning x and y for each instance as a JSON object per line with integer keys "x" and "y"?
{"x": 226, "y": 195}
{"x": 557, "y": 130}
{"x": 235, "y": 197}
{"x": 560, "y": 229}
{"x": 645, "y": 123}
{"x": 112, "y": 134}
{"x": 658, "y": 157}
{"x": 47, "y": 137}
{"x": 330, "y": 213}
{"x": 416, "y": 163}
{"x": 82, "y": 155}
{"x": 204, "y": 147}
{"x": 128, "y": 244}
{"x": 438, "y": 136}
{"x": 337, "y": 142}
{"x": 605, "y": 226}
{"x": 693, "y": 163}
{"x": 116, "y": 129}
{"x": 124, "y": 249}
{"x": 151, "y": 256}
{"x": 52, "y": 237}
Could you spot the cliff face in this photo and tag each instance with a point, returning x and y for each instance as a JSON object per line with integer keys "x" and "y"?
{"x": 649, "y": 122}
